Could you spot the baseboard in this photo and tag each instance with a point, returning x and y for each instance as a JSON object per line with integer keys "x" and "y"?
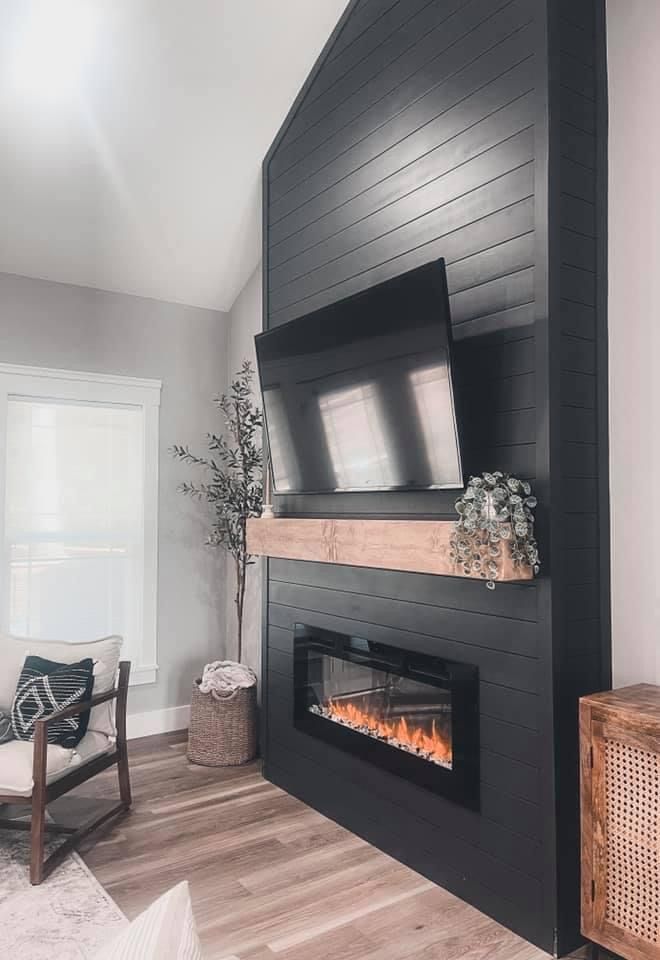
{"x": 157, "y": 721}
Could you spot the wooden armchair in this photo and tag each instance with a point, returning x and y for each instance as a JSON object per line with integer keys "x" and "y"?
{"x": 46, "y": 789}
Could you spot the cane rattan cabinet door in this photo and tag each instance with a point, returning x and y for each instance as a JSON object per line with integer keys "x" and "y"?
{"x": 620, "y": 801}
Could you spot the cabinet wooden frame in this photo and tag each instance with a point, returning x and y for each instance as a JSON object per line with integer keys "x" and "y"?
{"x": 631, "y": 718}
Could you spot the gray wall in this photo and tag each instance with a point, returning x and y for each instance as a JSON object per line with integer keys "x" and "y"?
{"x": 244, "y": 323}
{"x": 69, "y": 327}
{"x": 633, "y": 41}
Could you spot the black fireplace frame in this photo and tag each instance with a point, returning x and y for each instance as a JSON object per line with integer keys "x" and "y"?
{"x": 460, "y": 784}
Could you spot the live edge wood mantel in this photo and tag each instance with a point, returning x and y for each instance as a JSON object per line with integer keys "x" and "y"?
{"x": 416, "y": 546}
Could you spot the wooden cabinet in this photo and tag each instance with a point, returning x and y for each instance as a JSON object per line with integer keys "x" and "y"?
{"x": 620, "y": 810}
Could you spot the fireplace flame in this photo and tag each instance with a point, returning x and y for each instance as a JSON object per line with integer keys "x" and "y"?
{"x": 435, "y": 746}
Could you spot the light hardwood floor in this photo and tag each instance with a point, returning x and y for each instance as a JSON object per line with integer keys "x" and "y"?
{"x": 272, "y": 879}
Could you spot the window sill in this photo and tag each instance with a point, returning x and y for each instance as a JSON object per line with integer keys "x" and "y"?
{"x": 142, "y": 675}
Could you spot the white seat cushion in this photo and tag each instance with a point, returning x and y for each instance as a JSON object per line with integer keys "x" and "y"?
{"x": 16, "y": 761}
{"x": 165, "y": 931}
{"x": 104, "y": 652}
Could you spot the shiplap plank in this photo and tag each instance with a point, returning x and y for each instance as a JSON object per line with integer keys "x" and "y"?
{"x": 400, "y": 204}
{"x": 334, "y": 612}
{"x": 337, "y": 66}
{"x": 397, "y": 87}
{"x": 376, "y": 69}
{"x": 461, "y": 130}
{"x": 417, "y": 588}
{"x": 458, "y": 228}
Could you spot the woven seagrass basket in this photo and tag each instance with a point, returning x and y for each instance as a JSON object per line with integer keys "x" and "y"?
{"x": 223, "y": 732}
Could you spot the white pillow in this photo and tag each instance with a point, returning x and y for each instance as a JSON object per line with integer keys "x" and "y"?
{"x": 104, "y": 652}
{"x": 165, "y": 931}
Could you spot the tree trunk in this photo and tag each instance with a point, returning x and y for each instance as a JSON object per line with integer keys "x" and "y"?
{"x": 239, "y": 599}
{"x": 240, "y": 629}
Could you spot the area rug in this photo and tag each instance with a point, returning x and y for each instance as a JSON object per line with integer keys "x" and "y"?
{"x": 67, "y": 917}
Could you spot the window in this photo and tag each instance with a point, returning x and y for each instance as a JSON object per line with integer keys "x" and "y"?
{"x": 79, "y": 508}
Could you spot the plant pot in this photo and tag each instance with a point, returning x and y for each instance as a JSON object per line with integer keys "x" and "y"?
{"x": 223, "y": 731}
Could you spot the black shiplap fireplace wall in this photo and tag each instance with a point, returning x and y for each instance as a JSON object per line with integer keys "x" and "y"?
{"x": 473, "y": 130}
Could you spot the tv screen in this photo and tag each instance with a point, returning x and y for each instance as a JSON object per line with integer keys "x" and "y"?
{"x": 358, "y": 395}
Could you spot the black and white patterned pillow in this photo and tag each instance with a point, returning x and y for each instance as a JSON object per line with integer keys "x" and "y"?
{"x": 44, "y": 687}
{"x": 6, "y": 732}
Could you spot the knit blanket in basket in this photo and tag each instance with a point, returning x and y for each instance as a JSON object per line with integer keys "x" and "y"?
{"x": 222, "y": 677}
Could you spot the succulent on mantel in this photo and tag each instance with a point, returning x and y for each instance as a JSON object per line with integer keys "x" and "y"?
{"x": 493, "y": 508}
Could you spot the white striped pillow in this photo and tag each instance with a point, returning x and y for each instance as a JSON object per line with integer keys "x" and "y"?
{"x": 45, "y": 687}
{"x": 165, "y": 931}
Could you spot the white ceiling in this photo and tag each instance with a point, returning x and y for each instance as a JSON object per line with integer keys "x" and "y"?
{"x": 132, "y": 134}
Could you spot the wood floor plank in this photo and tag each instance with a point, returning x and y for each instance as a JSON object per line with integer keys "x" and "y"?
{"x": 270, "y": 878}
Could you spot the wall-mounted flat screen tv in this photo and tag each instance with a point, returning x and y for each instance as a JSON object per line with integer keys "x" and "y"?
{"x": 358, "y": 395}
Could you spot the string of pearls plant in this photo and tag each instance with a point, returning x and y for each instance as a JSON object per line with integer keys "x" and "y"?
{"x": 493, "y": 508}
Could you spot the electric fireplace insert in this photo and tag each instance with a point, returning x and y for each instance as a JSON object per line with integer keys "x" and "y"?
{"x": 413, "y": 714}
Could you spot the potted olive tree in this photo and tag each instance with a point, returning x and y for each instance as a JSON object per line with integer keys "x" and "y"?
{"x": 223, "y": 721}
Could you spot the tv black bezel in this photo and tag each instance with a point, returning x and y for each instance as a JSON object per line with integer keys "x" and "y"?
{"x": 438, "y": 263}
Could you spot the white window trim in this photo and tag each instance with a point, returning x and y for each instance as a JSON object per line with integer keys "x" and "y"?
{"x": 73, "y": 385}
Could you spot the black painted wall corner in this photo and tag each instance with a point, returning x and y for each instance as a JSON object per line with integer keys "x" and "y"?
{"x": 474, "y": 130}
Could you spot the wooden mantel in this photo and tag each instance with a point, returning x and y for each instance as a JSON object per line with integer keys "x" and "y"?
{"x": 415, "y": 546}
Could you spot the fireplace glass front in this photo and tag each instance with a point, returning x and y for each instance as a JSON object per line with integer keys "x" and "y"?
{"x": 411, "y": 713}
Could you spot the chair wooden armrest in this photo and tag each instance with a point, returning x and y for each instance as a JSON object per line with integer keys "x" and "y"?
{"x": 77, "y": 708}
{"x": 43, "y": 793}
{"x": 120, "y": 693}
{"x": 40, "y": 740}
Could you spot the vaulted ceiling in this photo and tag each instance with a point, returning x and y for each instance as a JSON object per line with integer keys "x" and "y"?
{"x": 132, "y": 134}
